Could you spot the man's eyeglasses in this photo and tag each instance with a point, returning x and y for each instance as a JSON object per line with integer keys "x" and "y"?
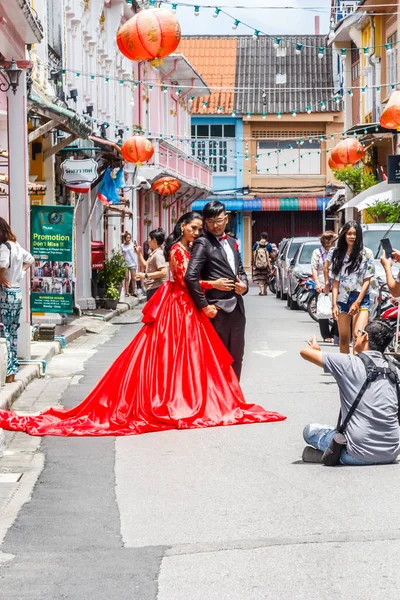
{"x": 361, "y": 332}
{"x": 213, "y": 222}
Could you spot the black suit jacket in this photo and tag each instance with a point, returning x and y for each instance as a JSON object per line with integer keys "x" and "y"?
{"x": 209, "y": 261}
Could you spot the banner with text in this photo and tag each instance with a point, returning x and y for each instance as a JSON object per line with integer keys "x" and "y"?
{"x": 52, "y": 249}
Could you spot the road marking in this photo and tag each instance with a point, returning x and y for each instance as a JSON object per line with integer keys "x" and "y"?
{"x": 270, "y": 353}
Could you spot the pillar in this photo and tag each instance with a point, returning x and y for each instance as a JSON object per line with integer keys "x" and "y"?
{"x": 83, "y": 261}
{"x": 18, "y": 197}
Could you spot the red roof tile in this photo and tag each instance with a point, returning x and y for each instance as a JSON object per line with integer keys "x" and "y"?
{"x": 215, "y": 59}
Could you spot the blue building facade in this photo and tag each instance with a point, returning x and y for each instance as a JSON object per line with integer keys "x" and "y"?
{"x": 218, "y": 142}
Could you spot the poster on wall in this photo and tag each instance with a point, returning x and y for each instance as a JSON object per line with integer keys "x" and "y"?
{"x": 52, "y": 249}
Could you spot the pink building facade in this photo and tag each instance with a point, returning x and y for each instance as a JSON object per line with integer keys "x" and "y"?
{"x": 162, "y": 110}
{"x": 19, "y": 26}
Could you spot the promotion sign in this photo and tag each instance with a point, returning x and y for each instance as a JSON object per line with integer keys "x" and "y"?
{"x": 52, "y": 249}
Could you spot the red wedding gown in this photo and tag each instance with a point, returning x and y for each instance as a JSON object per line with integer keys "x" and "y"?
{"x": 175, "y": 374}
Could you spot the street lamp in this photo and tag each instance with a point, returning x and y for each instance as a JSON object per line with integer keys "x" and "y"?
{"x": 9, "y": 76}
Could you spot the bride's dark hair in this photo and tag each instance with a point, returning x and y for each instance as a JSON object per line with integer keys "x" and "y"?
{"x": 176, "y": 235}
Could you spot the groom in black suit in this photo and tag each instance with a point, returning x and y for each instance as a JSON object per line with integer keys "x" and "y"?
{"x": 215, "y": 258}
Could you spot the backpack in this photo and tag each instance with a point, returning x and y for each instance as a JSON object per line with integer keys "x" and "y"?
{"x": 261, "y": 260}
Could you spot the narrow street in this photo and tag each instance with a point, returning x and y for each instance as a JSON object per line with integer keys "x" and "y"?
{"x": 219, "y": 514}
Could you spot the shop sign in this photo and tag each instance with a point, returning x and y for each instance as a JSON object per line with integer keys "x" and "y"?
{"x": 52, "y": 249}
{"x": 78, "y": 171}
{"x": 394, "y": 169}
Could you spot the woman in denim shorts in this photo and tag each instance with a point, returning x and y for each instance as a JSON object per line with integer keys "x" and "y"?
{"x": 351, "y": 266}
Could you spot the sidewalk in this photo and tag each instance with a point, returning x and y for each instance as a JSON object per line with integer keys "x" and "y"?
{"x": 42, "y": 352}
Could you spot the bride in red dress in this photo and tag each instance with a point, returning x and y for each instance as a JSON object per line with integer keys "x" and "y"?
{"x": 175, "y": 374}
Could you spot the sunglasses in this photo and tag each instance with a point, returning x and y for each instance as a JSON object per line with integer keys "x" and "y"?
{"x": 361, "y": 332}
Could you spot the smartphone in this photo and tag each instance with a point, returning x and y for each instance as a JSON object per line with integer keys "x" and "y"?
{"x": 387, "y": 247}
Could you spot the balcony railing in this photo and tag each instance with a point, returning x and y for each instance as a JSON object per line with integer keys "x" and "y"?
{"x": 180, "y": 164}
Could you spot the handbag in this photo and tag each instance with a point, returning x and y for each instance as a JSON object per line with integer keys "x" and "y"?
{"x": 331, "y": 456}
{"x": 324, "y": 306}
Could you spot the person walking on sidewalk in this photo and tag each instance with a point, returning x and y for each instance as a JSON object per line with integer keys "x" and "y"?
{"x": 155, "y": 271}
{"x": 129, "y": 252}
{"x": 14, "y": 261}
{"x": 318, "y": 259}
{"x": 352, "y": 267}
{"x": 262, "y": 264}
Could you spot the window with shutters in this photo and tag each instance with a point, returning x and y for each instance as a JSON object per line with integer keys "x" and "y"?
{"x": 277, "y": 157}
{"x": 213, "y": 145}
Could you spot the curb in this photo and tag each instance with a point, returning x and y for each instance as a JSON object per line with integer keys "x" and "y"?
{"x": 44, "y": 351}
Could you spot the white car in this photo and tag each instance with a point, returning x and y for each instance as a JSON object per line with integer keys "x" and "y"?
{"x": 372, "y": 234}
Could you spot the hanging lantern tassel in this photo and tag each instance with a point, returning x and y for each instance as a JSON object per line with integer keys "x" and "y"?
{"x": 390, "y": 118}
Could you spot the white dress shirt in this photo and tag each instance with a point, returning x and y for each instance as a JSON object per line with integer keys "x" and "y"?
{"x": 229, "y": 253}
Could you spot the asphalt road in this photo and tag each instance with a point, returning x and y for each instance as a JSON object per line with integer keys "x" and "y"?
{"x": 215, "y": 514}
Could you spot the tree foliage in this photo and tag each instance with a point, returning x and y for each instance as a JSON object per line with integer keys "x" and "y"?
{"x": 355, "y": 179}
{"x": 384, "y": 212}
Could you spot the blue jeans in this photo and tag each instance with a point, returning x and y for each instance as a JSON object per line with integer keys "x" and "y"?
{"x": 344, "y": 307}
{"x": 320, "y": 436}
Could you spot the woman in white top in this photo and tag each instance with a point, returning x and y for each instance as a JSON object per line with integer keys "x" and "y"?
{"x": 14, "y": 261}
{"x": 129, "y": 252}
{"x": 351, "y": 267}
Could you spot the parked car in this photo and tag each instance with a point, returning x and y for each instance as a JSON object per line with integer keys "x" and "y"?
{"x": 283, "y": 261}
{"x": 281, "y": 250}
{"x": 299, "y": 266}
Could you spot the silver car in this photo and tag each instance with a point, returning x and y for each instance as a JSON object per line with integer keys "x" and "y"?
{"x": 284, "y": 258}
{"x": 299, "y": 266}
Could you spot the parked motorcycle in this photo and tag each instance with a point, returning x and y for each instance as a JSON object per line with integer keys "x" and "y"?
{"x": 272, "y": 280}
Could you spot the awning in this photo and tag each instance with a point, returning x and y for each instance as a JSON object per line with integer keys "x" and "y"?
{"x": 106, "y": 145}
{"x": 368, "y": 129}
{"x": 336, "y": 198}
{"x": 380, "y": 192}
{"x": 305, "y": 203}
{"x": 69, "y": 120}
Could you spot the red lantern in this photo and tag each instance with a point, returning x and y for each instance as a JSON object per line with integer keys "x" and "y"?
{"x": 151, "y": 35}
{"x": 334, "y": 166}
{"x": 137, "y": 149}
{"x": 390, "y": 118}
{"x": 166, "y": 186}
{"x": 348, "y": 152}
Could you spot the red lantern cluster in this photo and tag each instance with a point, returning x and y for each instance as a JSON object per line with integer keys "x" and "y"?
{"x": 334, "y": 166}
{"x": 137, "y": 149}
{"x": 390, "y": 118}
{"x": 347, "y": 152}
{"x": 151, "y": 34}
{"x": 166, "y": 186}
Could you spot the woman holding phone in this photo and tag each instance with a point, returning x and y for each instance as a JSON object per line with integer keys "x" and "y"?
{"x": 351, "y": 267}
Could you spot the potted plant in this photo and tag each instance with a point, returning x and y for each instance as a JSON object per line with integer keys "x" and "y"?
{"x": 112, "y": 296}
{"x": 112, "y": 277}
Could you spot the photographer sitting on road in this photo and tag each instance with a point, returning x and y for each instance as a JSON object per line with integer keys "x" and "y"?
{"x": 372, "y": 433}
